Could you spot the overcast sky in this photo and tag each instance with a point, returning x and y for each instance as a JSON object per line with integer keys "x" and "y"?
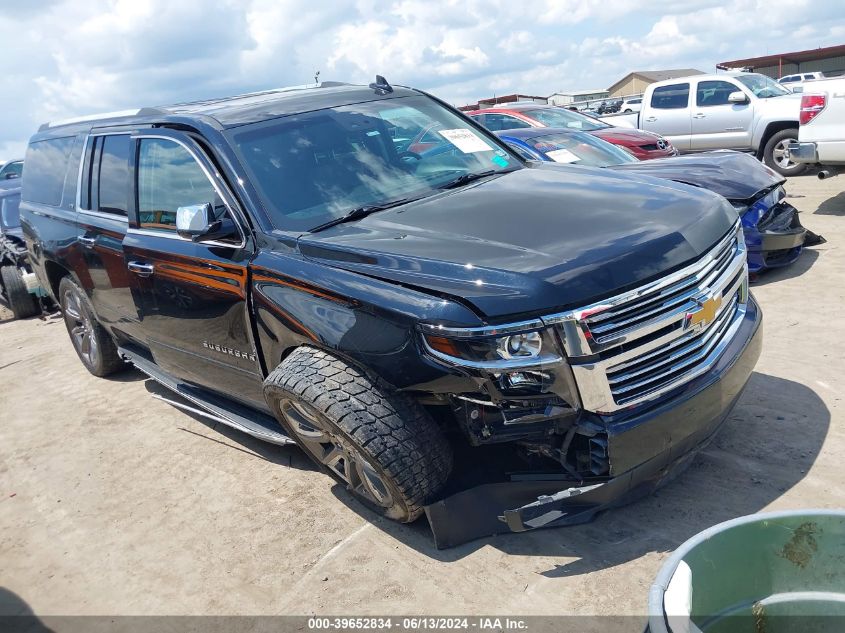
{"x": 69, "y": 57}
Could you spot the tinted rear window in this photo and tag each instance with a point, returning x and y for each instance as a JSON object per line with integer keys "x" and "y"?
{"x": 114, "y": 175}
{"x": 46, "y": 166}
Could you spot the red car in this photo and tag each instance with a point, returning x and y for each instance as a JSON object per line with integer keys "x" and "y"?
{"x": 643, "y": 145}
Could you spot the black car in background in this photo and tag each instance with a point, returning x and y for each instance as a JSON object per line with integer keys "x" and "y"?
{"x": 500, "y": 344}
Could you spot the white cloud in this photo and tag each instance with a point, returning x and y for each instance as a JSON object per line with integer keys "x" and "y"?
{"x": 64, "y": 57}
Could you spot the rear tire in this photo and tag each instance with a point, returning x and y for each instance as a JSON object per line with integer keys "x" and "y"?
{"x": 382, "y": 445}
{"x": 93, "y": 344}
{"x": 776, "y": 156}
{"x": 22, "y": 303}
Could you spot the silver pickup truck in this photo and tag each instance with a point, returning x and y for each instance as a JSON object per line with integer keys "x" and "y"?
{"x": 741, "y": 111}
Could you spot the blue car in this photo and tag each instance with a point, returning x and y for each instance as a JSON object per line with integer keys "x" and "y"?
{"x": 773, "y": 231}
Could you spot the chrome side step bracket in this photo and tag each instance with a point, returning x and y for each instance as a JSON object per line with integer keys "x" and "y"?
{"x": 254, "y": 423}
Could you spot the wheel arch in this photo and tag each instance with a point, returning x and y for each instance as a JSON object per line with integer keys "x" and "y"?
{"x": 771, "y": 129}
{"x": 55, "y": 273}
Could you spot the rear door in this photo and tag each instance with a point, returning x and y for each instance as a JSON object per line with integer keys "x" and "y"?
{"x": 192, "y": 298}
{"x": 668, "y": 114}
{"x": 103, "y": 203}
{"x": 717, "y": 123}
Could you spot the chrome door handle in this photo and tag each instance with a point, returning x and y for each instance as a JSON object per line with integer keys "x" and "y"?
{"x": 699, "y": 116}
{"x": 88, "y": 242}
{"x": 141, "y": 269}
{"x": 651, "y": 119}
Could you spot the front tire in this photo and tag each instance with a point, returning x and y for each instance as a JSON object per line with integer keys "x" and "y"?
{"x": 381, "y": 444}
{"x": 776, "y": 154}
{"x": 93, "y": 344}
{"x": 22, "y": 303}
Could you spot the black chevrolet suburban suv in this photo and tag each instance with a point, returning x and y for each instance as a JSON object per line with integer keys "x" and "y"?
{"x": 500, "y": 344}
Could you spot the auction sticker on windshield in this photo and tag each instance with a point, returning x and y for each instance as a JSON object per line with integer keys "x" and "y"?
{"x": 465, "y": 140}
{"x": 562, "y": 156}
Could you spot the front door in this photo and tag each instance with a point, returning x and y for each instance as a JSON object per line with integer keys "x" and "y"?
{"x": 717, "y": 123}
{"x": 192, "y": 295}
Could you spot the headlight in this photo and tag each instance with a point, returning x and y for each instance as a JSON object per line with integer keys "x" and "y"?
{"x": 494, "y": 348}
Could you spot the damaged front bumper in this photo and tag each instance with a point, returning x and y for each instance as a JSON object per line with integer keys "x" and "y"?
{"x": 774, "y": 235}
{"x": 652, "y": 446}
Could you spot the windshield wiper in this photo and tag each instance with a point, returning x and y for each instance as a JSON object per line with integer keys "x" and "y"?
{"x": 464, "y": 179}
{"x": 362, "y": 212}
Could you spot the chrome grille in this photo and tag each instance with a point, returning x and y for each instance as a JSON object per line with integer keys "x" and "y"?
{"x": 637, "y": 345}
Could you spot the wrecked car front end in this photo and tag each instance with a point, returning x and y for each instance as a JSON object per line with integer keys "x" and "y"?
{"x": 617, "y": 398}
{"x": 773, "y": 231}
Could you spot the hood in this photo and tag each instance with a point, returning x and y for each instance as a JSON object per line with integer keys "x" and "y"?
{"x": 535, "y": 240}
{"x": 734, "y": 175}
{"x": 786, "y": 107}
{"x": 626, "y": 137}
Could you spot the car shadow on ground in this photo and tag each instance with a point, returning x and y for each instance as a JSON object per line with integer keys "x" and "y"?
{"x": 832, "y": 206}
{"x": 770, "y": 441}
{"x": 290, "y": 456}
{"x": 16, "y": 616}
{"x": 801, "y": 265}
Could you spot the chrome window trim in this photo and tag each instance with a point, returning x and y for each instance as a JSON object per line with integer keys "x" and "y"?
{"x": 220, "y": 192}
{"x": 78, "y": 201}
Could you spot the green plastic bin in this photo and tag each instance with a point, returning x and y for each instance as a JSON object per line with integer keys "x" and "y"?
{"x": 765, "y": 573}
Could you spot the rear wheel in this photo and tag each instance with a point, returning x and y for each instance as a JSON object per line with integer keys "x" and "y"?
{"x": 382, "y": 445}
{"x": 776, "y": 153}
{"x": 22, "y": 303}
{"x": 93, "y": 344}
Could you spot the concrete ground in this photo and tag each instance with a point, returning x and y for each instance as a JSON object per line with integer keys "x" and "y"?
{"x": 113, "y": 502}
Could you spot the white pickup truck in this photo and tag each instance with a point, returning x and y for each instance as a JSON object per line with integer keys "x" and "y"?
{"x": 741, "y": 111}
{"x": 821, "y": 137}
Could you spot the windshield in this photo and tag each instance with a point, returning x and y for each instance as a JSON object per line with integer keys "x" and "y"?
{"x": 9, "y": 213}
{"x": 762, "y": 86}
{"x": 561, "y": 117}
{"x": 579, "y": 148}
{"x": 314, "y": 167}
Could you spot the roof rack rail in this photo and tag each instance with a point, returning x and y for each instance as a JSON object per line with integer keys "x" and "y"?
{"x": 258, "y": 93}
{"x": 90, "y": 117}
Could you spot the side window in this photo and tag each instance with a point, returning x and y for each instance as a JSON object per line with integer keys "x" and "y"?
{"x": 713, "y": 93}
{"x": 671, "y": 97}
{"x": 169, "y": 178}
{"x": 46, "y": 166}
{"x": 808, "y": 77}
{"x": 495, "y": 122}
{"x": 105, "y": 175}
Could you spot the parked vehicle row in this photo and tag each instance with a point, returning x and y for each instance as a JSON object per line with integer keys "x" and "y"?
{"x": 740, "y": 111}
{"x": 773, "y": 232}
{"x": 420, "y": 323}
{"x": 643, "y": 145}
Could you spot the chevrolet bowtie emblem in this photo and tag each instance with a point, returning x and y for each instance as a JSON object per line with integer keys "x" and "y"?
{"x": 706, "y": 312}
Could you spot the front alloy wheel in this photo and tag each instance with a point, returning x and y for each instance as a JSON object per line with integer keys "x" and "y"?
{"x": 336, "y": 453}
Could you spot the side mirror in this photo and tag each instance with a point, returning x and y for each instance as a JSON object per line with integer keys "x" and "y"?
{"x": 197, "y": 223}
{"x": 738, "y": 97}
{"x": 11, "y": 176}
